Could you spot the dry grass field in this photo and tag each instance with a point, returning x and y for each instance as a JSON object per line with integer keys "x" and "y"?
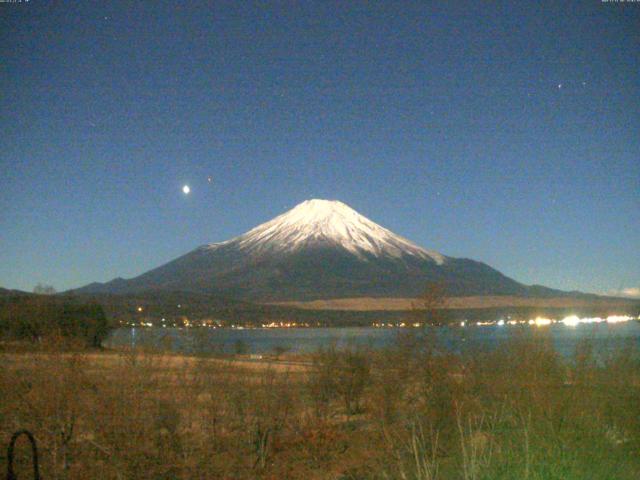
{"x": 409, "y": 412}
{"x": 386, "y": 303}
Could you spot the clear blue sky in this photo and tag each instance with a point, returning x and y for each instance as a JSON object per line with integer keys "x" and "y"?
{"x": 504, "y": 132}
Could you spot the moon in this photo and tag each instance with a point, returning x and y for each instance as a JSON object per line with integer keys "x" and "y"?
{"x": 186, "y": 190}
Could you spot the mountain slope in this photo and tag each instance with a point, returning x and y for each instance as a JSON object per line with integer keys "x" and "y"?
{"x": 319, "y": 249}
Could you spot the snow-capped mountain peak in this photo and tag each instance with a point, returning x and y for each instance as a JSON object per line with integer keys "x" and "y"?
{"x": 318, "y": 250}
{"x": 327, "y": 222}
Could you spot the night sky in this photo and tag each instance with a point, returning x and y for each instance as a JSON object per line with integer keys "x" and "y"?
{"x": 507, "y": 133}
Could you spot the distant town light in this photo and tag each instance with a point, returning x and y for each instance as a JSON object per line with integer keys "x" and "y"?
{"x": 542, "y": 322}
{"x": 571, "y": 321}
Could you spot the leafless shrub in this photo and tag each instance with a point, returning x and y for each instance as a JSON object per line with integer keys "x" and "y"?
{"x": 340, "y": 374}
{"x": 421, "y": 413}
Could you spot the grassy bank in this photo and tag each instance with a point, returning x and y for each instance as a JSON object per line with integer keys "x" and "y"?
{"x": 410, "y": 412}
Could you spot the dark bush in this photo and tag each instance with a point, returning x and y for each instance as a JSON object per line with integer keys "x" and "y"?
{"x": 34, "y": 318}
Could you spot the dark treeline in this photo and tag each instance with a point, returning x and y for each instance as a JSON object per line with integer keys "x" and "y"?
{"x": 30, "y": 316}
{"x": 36, "y": 317}
{"x": 175, "y": 306}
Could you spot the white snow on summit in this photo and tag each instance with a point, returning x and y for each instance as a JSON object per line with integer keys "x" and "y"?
{"x": 327, "y": 222}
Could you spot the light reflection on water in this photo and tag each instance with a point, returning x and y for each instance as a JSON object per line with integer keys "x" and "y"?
{"x": 604, "y": 336}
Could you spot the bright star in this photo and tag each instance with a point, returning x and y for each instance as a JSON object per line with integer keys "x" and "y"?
{"x": 186, "y": 190}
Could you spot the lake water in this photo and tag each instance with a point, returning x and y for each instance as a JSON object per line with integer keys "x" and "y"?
{"x": 604, "y": 336}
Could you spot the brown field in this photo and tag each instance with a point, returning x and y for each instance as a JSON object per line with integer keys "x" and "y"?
{"x": 387, "y": 303}
{"x": 99, "y": 361}
{"x": 409, "y": 412}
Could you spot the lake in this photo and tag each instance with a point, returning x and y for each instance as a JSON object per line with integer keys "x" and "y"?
{"x": 605, "y": 336}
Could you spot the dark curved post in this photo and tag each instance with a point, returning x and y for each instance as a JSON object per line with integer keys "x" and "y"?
{"x": 34, "y": 450}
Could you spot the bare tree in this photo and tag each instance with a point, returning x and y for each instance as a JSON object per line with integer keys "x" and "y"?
{"x": 428, "y": 307}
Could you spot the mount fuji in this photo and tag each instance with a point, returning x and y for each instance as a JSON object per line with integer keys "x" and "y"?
{"x": 319, "y": 249}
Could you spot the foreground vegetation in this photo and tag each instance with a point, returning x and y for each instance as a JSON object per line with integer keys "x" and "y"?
{"x": 410, "y": 412}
